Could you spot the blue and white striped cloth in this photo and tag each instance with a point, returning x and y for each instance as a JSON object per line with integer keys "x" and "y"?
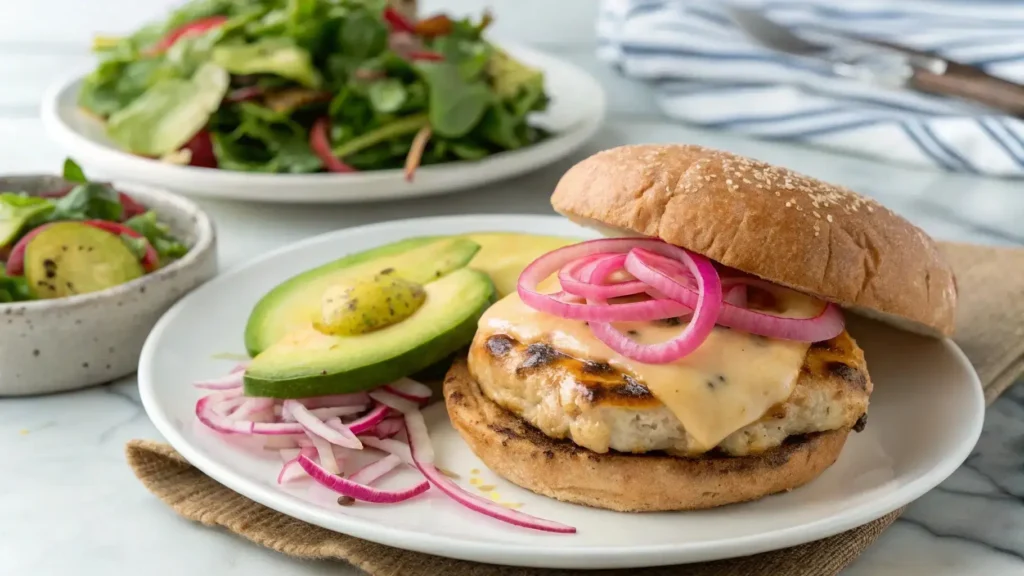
{"x": 705, "y": 72}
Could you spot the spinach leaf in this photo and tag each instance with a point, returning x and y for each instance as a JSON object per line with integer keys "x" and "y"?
{"x": 280, "y": 56}
{"x": 73, "y": 172}
{"x": 170, "y": 113}
{"x": 456, "y": 105}
{"x": 158, "y": 235}
{"x": 244, "y": 154}
{"x": 362, "y": 35}
{"x": 295, "y": 156}
{"x": 387, "y": 96}
{"x": 13, "y": 288}
{"x": 88, "y": 201}
{"x": 499, "y": 127}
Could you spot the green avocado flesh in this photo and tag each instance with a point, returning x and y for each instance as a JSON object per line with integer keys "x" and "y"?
{"x": 296, "y": 303}
{"x": 307, "y": 362}
{"x": 69, "y": 258}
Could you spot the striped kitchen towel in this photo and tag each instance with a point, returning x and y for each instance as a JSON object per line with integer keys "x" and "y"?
{"x": 705, "y": 72}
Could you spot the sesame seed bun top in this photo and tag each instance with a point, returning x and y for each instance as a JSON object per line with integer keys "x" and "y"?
{"x": 771, "y": 222}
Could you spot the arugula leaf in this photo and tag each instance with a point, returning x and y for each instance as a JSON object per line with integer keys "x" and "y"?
{"x": 401, "y": 127}
{"x": 167, "y": 115}
{"x": 456, "y": 105}
{"x": 388, "y": 95}
{"x": 88, "y": 201}
{"x": 280, "y": 56}
{"x": 73, "y": 172}
{"x": 13, "y": 288}
{"x": 158, "y": 235}
{"x": 17, "y": 211}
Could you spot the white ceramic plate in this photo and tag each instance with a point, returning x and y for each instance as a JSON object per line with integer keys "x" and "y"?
{"x": 926, "y": 415}
{"x": 576, "y": 111}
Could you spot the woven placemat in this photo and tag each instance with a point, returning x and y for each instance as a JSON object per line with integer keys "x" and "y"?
{"x": 990, "y": 330}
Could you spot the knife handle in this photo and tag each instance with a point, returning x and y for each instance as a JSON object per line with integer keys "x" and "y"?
{"x": 969, "y": 83}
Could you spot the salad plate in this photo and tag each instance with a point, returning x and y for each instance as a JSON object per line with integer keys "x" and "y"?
{"x": 574, "y": 114}
{"x": 926, "y": 415}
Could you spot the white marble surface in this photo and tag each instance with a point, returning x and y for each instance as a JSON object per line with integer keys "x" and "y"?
{"x": 70, "y": 505}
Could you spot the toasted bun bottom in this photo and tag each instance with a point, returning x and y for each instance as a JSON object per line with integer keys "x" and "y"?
{"x": 625, "y": 482}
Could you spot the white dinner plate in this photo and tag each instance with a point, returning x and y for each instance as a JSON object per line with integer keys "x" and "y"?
{"x": 575, "y": 113}
{"x": 926, "y": 415}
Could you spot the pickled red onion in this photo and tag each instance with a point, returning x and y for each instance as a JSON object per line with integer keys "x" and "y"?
{"x": 543, "y": 267}
{"x": 705, "y": 309}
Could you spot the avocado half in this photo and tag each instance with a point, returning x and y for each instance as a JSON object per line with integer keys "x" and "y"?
{"x": 295, "y": 360}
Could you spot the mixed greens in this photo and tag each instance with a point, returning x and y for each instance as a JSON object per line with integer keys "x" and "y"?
{"x": 299, "y": 86}
{"x": 80, "y": 237}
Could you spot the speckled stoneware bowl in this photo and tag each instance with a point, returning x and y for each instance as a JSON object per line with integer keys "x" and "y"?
{"x": 68, "y": 343}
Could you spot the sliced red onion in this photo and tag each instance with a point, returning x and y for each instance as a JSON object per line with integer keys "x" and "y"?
{"x": 389, "y": 427}
{"x": 825, "y": 326}
{"x": 219, "y": 422}
{"x": 325, "y": 413}
{"x": 313, "y": 424}
{"x": 543, "y": 267}
{"x": 423, "y": 454}
{"x": 281, "y": 442}
{"x": 227, "y": 382}
{"x": 393, "y": 401}
{"x": 370, "y": 420}
{"x": 410, "y": 390}
{"x": 371, "y": 472}
{"x": 251, "y": 407}
{"x": 735, "y": 295}
{"x": 571, "y": 276}
{"x": 356, "y": 490}
{"x": 324, "y": 453}
{"x": 276, "y": 428}
{"x": 396, "y": 447}
{"x": 705, "y": 312}
{"x": 416, "y": 428}
{"x": 292, "y": 470}
{"x": 351, "y": 440}
{"x": 227, "y": 406}
{"x": 288, "y": 453}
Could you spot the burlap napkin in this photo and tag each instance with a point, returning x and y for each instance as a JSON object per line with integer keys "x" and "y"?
{"x": 990, "y": 329}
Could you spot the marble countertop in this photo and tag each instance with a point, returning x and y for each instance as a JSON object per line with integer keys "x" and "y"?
{"x": 70, "y": 505}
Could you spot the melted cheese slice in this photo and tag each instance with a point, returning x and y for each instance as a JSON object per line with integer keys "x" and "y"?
{"x": 730, "y": 381}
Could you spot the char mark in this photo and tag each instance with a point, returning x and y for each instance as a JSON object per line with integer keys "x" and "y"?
{"x": 628, "y": 388}
{"x": 538, "y": 355}
{"x": 848, "y": 373}
{"x": 861, "y": 422}
{"x": 499, "y": 345}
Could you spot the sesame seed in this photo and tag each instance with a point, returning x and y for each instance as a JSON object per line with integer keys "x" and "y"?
{"x": 788, "y": 204}
{"x": 829, "y": 217}
{"x": 816, "y": 215}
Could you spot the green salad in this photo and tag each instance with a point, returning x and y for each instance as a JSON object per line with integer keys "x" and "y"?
{"x": 79, "y": 237}
{"x": 300, "y": 86}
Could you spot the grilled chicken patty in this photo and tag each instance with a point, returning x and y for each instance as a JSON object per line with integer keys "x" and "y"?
{"x": 600, "y": 408}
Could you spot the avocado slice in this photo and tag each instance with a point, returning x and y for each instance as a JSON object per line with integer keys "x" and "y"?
{"x": 69, "y": 258}
{"x": 307, "y": 362}
{"x": 295, "y": 303}
{"x": 504, "y": 255}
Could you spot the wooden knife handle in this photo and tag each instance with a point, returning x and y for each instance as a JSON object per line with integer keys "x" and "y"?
{"x": 969, "y": 83}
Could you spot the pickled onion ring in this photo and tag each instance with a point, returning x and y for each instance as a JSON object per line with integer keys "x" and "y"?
{"x": 543, "y": 267}
{"x": 705, "y": 310}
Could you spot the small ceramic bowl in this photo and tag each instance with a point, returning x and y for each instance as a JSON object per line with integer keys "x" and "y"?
{"x": 68, "y": 343}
